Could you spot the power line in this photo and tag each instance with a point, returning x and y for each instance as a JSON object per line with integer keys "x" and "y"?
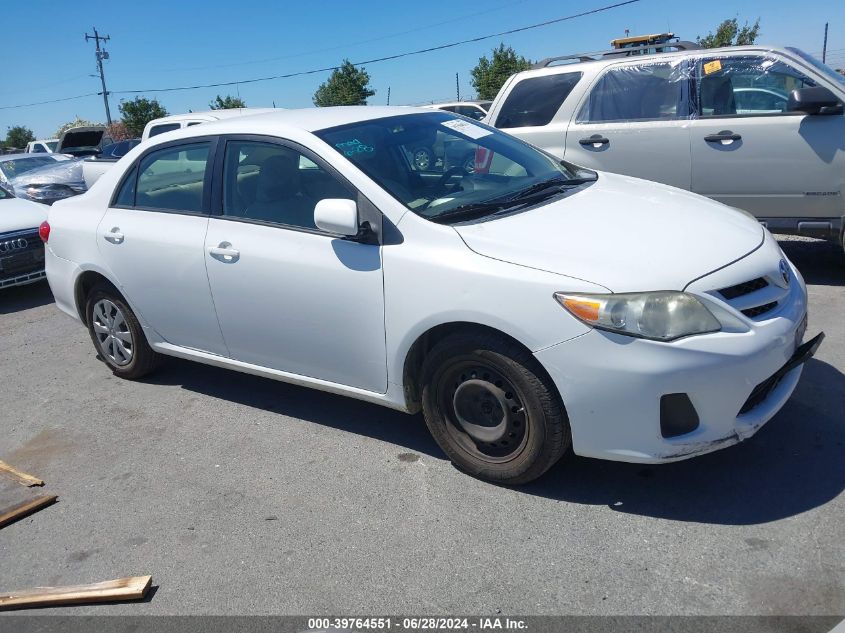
{"x": 385, "y": 58}
{"x": 26, "y": 105}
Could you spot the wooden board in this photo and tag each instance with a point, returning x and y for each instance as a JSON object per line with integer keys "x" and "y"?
{"x": 131, "y": 588}
{"x": 19, "y": 510}
{"x": 21, "y": 478}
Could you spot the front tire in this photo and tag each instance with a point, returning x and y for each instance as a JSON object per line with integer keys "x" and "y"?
{"x": 492, "y": 409}
{"x": 117, "y": 335}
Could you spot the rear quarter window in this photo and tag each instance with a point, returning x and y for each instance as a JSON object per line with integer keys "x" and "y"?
{"x": 535, "y": 101}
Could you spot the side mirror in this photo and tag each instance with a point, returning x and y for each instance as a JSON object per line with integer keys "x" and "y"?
{"x": 818, "y": 100}
{"x": 337, "y": 215}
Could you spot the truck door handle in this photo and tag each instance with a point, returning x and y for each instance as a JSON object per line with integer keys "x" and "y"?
{"x": 724, "y": 135}
{"x": 224, "y": 253}
{"x": 114, "y": 236}
{"x": 595, "y": 140}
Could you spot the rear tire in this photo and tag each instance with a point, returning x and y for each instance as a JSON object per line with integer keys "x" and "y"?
{"x": 117, "y": 335}
{"x": 492, "y": 408}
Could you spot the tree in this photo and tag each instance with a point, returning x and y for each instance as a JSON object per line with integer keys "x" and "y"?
{"x": 227, "y": 103}
{"x": 490, "y": 74}
{"x": 137, "y": 113}
{"x": 118, "y": 132}
{"x": 729, "y": 33}
{"x": 347, "y": 85}
{"x": 18, "y": 136}
{"x": 77, "y": 122}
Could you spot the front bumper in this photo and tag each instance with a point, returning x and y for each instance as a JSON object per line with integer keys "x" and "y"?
{"x": 736, "y": 380}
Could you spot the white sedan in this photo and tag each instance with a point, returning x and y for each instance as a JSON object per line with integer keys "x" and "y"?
{"x": 521, "y": 305}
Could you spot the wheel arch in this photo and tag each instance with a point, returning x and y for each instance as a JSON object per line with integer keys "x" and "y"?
{"x": 414, "y": 357}
{"x": 83, "y": 285}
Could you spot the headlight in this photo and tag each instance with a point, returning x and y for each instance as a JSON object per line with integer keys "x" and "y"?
{"x": 662, "y": 316}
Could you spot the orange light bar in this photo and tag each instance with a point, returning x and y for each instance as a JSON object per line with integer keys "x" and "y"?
{"x": 583, "y": 309}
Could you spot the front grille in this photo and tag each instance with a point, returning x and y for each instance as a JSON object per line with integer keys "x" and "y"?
{"x": 21, "y": 253}
{"x": 758, "y": 310}
{"x": 745, "y": 288}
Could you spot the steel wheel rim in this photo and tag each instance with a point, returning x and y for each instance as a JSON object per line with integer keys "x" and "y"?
{"x": 422, "y": 160}
{"x": 114, "y": 338}
{"x": 485, "y": 413}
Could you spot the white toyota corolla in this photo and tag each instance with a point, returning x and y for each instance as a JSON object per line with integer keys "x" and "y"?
{"x": 517, "y": 300}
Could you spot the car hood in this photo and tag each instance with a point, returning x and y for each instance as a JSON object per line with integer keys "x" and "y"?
{"x": 622, "y": 233}
{"x": 19, "y": 215}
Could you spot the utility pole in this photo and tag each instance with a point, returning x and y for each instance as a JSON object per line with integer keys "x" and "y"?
{"x": 101, "y": 55}
{"x": 457, "y": 87}
{"x": 388, "y": 95}
{"x": 824, "y": 48}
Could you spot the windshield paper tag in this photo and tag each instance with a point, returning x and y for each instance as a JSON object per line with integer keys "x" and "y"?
{"x": 466, "y": 128}
{"x": 712, "y": 67}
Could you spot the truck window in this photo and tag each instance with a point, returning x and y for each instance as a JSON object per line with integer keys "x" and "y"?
{"x": 535, "y": 101}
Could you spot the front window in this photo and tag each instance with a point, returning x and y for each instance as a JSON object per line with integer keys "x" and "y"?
{"x": 746, "y": 86}
{"x": 474, "y": 170}
{"x": 18, "y": 166}
{"x": 52, "y": 145}
{"x": 161, "y": 129}
{"x": 826, "y": 70}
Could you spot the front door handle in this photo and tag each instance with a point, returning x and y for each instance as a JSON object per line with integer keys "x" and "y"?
{"x": 114, "y": 236}
{"x": 596, "y": 140}
{"x": 224, "y": 253}
{"x": 725, "y": 136}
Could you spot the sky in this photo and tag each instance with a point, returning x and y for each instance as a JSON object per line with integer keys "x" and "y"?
{"x": 158, "y": 44}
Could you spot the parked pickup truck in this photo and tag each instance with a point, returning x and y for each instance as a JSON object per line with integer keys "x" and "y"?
{"x": 757, "y": 128}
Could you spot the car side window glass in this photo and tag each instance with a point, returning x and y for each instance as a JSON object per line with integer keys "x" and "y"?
{"x": 470, "y": 111}
{"x": 172, "y": 179}
{"x": 126, "y": 195}
{"x": 745, "y": 86}
{"x": 273, "y": 183}
{"x": 536, "y": 100}
{"x": 643, "y": 92}
{"x": 161, "y": 129}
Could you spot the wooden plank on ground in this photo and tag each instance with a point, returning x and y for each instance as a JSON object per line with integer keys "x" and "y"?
{"x": 19, "y": 510}
{"x": 20, "y": 477}
{"x": 131, "y": 588}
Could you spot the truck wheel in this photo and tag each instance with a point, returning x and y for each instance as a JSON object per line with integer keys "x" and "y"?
{"x": 117, "y": 335}
{"x": 492, "y": 409}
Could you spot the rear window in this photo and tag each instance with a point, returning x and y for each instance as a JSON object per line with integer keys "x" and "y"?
{"x": 535, "y": 101}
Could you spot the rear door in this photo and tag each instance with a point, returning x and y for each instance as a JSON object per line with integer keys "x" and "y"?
{"x": 152, "y": 238}
{"x": 748, "y": 152}
{"x": 290, "y": 296}
{"x": 634, "y": 121}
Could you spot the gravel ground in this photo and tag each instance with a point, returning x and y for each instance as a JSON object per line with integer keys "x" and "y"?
{"x": 242, "y": 496}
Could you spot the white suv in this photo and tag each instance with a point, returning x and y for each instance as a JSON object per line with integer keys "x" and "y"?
{"x": 522, "y": 306}
{"x": 756, "y": 128}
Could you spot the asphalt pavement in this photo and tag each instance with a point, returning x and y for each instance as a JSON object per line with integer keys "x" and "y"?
{"x": 242, "y": 495}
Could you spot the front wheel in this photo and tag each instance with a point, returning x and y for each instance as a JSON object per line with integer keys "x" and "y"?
{"x": 117, "y": 334}
{"x": 492, "y": 409}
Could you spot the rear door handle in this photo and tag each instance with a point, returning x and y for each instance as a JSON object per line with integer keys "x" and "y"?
{"x": 724, "y": 135}
{"x": 224, "y": 253}
{"x": 595, "y": 140}
{"x": 114, "y": 236}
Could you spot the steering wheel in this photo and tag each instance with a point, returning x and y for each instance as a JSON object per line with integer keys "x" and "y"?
{"x": 440, "y": 185}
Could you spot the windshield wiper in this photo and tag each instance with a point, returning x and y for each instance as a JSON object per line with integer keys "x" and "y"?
{"x": 547, "y": 184}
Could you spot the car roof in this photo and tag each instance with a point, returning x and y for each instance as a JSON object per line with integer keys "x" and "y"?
{"x": 304, "y": 119}
{"x": 613, "y": 58}
{"x": 208, "y": 115}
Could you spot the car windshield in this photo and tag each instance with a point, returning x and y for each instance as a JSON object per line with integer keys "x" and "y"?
{"x": 17, "y": 166}
{"x": 818, "y": 65}
{"x": 447, "y": 168}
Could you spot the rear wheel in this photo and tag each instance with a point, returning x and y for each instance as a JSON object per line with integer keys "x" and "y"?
{"x": 492, "y": 409}
{"x": 117, "y": 334}
{"x": 423, "y": 158}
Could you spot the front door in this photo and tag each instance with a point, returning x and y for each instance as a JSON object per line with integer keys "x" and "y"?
{"x": 634, "y": 121}
{"x": 288, "y": 295}
{"x": 748, "y": 152}
{"x": 152, "y": 239}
